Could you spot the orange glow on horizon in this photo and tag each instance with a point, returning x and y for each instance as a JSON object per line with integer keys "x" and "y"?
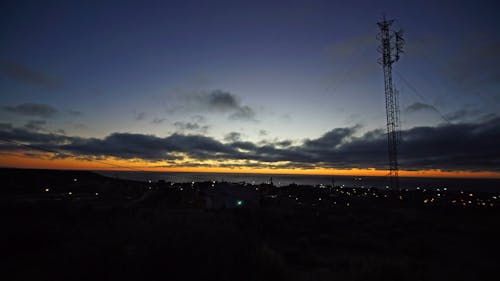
{"x": 19, "y": 160}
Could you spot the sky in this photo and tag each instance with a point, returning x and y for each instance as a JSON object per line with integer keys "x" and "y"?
{"x": 247, "y": 86}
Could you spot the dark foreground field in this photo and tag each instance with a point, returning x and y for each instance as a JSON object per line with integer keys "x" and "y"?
{"x": 119, "y": 235}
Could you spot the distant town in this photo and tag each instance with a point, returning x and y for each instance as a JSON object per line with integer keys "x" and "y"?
{"x": 87, "y": 187}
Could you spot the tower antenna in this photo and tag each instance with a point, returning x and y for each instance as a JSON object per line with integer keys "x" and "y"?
{"x": 391, "y": 48}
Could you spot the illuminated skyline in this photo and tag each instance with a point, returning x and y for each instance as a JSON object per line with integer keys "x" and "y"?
{"x": 247, "y": 86}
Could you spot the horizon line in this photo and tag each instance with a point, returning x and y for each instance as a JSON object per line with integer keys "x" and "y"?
{"x": 352, "y": 173}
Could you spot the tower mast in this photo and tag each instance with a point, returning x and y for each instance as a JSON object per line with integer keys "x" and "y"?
{"x": 391, "y": 48}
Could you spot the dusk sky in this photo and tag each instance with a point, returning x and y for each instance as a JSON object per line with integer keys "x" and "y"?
{"x": 247, "y": 86}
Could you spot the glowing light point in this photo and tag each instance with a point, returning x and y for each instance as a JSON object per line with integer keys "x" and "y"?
{"x": 239, "y": 203}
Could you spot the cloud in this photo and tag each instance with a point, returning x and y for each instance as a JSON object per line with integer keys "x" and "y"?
{"x": 284, "y": 143}
{"x": 243, "y": 113}
{"x": 35, "y": 125}
{"x": 457, "y": 115}
{"x": 122, "y": 145}
{"x": 38, "y": 110}
{"x": 81, "y": 126}
{"x": 140, "y": 116}
{"x": 334, "y": 138}
{"x": 148, "y": 147}
{"x": 158, "y": 121}
{"x": 44, "y": 140}
{"x": 276, "y": 143}
{"x": 232, "y": 137}
{"x": 60, "y": 131}
{"x": 465, "y": 146}
{"x": 418, "y": 106}
{"x": 199, "y": 118}
{"x": 26, "y": 75}
{"x": 188, "y": 126}
{"x": 6, "y": 126}
{"x": 32, "y": 109}
{"x": 218, "y": 101}
{"x": 470, "y": 114}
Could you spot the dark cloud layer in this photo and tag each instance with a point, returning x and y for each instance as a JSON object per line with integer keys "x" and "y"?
{"x": 466, "y": 146}
{"x": 32, "y": 109}
{"x": 47, "y": 141}
{"x": 24, "y": 74}
{"x": 39, "y": 110}
{"x": 35, "y": 125}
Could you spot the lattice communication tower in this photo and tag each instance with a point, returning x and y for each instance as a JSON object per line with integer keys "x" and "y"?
{"x": 391, "y": 48}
